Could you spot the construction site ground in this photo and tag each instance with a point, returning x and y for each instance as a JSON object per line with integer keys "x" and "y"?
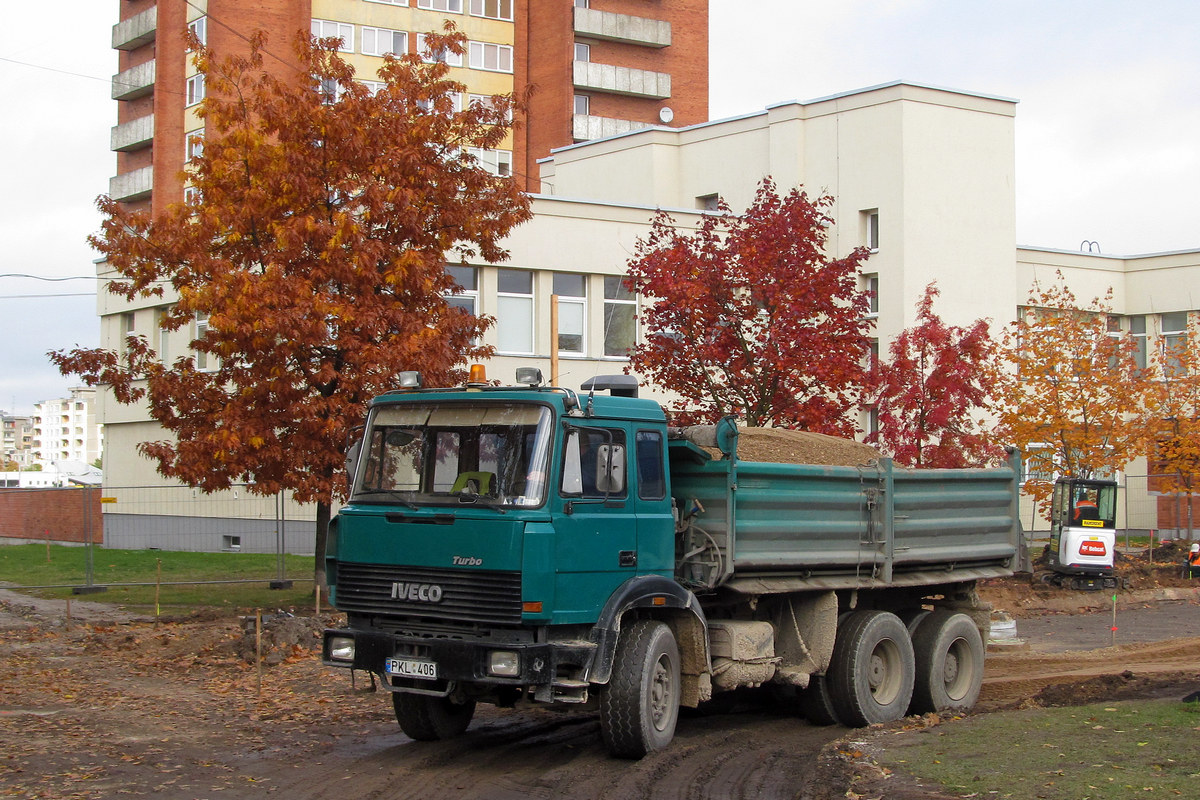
{"x": 112, "y": 704}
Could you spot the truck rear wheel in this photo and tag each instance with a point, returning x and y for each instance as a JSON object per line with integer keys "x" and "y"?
{"x": 949, "y": 659}
{"x": 640, "y": 705}
{"x": 872, "y": 671}
{"x": 816, "y": 704}
{"x": 428, "y": 719}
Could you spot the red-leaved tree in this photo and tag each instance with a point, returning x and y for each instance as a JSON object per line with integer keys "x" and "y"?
{"x": 747, "y": 315}
{"x": 314, "y": 251}
{"x": 935, "y": 391}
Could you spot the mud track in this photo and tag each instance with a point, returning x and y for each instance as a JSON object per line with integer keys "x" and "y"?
{"x": 124, "y": 708}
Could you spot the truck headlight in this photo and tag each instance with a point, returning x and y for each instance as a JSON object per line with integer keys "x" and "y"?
{"x": 504, "y": 663}
{"x": 341, "y": 648}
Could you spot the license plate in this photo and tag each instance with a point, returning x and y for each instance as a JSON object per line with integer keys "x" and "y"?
{"x": 411, "y": 668}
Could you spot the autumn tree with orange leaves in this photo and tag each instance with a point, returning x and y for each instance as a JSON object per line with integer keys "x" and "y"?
{"x": 746, "y": 315}
{"x": 935, "y": 392}
{"x": 315, "y": 250}
{"x": 1072, "y": 394}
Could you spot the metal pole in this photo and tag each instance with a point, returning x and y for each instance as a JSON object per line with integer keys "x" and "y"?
{"x": 281, "y": 581}
{"x": 554, "y": 340}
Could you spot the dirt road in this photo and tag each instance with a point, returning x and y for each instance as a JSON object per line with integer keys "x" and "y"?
{"x": 126, "y": 708}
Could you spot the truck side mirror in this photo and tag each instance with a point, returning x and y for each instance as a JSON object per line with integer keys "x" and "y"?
{"x": 610, "y": 468}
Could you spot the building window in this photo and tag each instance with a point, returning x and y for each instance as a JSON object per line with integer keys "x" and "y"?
{"x": 374, "y": 87}
{"x": 444, "y": 56}
{"x": 491, "y": 57}
{"x": 195, "y": 144}
{"x": 192, "y": 196}
{"x": 492, "y": 9}
{"x": 581, "y": 3}
{"x": 383, "y": 42}
{"x": 620, "y": 317}
{"x": 871, "y": 229}
{"x": 199, "y": 28}
{"x": 1173, "y": 327}
{"x": 583, "y": 52}
{"x": 202, "y": 358}
{"x": 390, "y": 2}
{"x": 708, "y": 202}
{"x": 449, "y": 6}
{"x": 160, "y": 317}
{"x": 871, "y": 287}
{"x": 453, "y": 104}
{"x": 195, "y": 90}
{"x": 497, "y": 162}
{"x": 485, "y": 101}
{"x": 467, "y": 279}
{"x": 582, "y": 104}
{"x": 231, "y": 542}
{"x": 328, "y": 29}
{"x": 514, "y": 311}
{"x": 1137, "y": 331}
{"x": 571, "y": 289}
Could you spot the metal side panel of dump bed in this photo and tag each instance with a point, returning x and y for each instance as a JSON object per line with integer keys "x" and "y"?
{"x": 790, "y": 527}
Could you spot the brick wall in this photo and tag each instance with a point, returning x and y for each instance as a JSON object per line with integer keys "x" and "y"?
{"x": 54, "y": 514}
{"x": 1173, "y": 513}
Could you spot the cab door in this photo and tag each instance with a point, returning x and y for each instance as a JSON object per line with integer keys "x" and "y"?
{"x": 596, "y": 547}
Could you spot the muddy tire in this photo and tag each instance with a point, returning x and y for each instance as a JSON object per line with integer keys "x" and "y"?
{"x": 640, "y": 705}
{"x": 428, "y": 719}
{"x": 872, "y": 672}
{"x": 816, "y": 704}
{"x": 949, "y": 657}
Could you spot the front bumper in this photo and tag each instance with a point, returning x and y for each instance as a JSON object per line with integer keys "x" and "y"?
{"x": 459, "y": 660}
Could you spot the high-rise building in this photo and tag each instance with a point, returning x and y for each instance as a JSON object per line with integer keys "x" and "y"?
{"x": 65, "y": 429}
{"x": 594, "y": 69}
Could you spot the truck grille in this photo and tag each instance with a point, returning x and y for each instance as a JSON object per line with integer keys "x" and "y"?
{"x": 473, "y": 596}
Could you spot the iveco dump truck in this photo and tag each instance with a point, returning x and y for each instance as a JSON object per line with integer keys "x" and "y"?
{"x": 535, "y": 545}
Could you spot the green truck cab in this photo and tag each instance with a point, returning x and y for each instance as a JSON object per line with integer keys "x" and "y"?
{"x": 529, "y": 544}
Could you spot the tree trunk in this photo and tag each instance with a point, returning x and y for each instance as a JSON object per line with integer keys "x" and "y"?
{"x": 323, "y": 509}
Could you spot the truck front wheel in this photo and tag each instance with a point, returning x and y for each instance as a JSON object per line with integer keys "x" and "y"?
{"x": 640, "y": 705}
{"x": 949, "y": 659}
{"x": 872, "y": 672}
{"x": 428, "y": 719}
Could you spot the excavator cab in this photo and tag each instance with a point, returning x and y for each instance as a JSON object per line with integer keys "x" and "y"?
{"x": 1083, "y": 533}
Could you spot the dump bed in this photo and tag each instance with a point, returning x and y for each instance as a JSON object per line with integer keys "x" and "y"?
{"x": 762, "y": 528}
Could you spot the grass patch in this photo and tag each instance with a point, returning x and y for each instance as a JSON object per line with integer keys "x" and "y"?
{"x": 182, "y": 575}
{"x": 1095, "y": 752}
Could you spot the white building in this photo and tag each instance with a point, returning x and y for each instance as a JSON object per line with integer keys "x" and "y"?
{"x": 67, "y": 429}
{"x": 923, "y": 176}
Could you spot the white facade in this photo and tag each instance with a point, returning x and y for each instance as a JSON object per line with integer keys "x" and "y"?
{"x": 924, "y": 176}
{"x": 67, "y": 429}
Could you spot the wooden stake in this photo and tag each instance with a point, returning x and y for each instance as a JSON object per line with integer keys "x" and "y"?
{"x": 68, "y": 612}
{"x": 258, "y": 648}
{"x": 317, "y": 608}
{"x": 157, "y": 590}
{"x": 1114, "y": 621}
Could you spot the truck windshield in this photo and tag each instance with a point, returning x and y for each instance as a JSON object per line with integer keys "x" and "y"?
{"x": 492, "y": 454}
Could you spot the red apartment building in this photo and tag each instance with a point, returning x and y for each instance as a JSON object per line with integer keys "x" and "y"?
{"x": 595, "y": 68}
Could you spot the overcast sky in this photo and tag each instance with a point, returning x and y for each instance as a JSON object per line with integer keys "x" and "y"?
{"x": 1107, "y": 128}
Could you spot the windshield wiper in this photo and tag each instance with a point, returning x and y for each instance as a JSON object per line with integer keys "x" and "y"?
{"x": 487, "y": 502}
{"x": 394, "y": 494}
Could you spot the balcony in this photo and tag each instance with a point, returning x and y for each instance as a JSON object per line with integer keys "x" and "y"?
{"x": 132, "y": 33}
{"x": 586, "y": 126}
{"x": 134, "y": 82}
{"x": 622, "y": 80}
{"x": 622, "y": 28}
{"x": 133, "y": 135}
{"x": 134, "y": 185}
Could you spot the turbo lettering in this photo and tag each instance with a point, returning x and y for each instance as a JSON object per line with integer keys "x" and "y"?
{"x": 467, "y": 561}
